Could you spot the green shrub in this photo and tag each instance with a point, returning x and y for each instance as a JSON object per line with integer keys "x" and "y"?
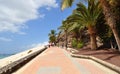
{"x": 77, "y": 44}
{"x": 74, "y": 43}
{"x": 80, "y": 45}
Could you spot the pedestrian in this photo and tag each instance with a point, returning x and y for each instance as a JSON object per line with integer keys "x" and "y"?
{"x": 62, "y": 45}
{"x": 49, "y": 45}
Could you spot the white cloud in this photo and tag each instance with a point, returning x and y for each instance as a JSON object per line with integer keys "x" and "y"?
{"x": 42, "y": 16}
{"x": 14, "y": 13}
{"x": 5, "y": 39}
{"x": 37, "y": 45}
{"x": 48, "y": 8}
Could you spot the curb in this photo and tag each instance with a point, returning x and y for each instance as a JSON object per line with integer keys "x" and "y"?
{"x": 106, "y": 64}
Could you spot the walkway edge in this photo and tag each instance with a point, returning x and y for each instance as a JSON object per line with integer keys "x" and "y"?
{"x": 108, "y": 65}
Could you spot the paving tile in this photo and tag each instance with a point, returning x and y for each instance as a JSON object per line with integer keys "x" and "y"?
{"x": 49, "y": 70}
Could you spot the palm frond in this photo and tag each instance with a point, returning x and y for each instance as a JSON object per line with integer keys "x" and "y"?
{"x": 88, "y": 15}
{"x": 66, "y": 3}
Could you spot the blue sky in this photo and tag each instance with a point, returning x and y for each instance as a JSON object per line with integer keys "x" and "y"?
{"x": 26, "y": 23}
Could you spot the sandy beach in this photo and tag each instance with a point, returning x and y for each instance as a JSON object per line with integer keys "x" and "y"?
{"x": 12, "y": 58}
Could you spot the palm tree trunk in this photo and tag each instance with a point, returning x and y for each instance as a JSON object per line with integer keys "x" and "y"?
{"x": 115, "y": 32}
{"x": 93, "y": 42}
{"x": 110, "y": 18}
{"x": 66, "y": 40}
{"x": 111, "y": 44}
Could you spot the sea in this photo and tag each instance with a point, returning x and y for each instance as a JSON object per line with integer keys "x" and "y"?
{"x": 4, "y": 55}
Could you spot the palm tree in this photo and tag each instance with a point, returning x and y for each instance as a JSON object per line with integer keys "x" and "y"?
{"x": 88, "y": 16}
{"x": 58, "y": 38}
{"x": 109, "y": 16}
{"x": 64, "y": 27}
{"x": 52, "y": 37}
{"x": 110, "y": 19}
{"x": 76, "y": 28}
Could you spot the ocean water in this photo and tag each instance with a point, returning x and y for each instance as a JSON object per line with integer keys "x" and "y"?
{"x": 4, "y": 55}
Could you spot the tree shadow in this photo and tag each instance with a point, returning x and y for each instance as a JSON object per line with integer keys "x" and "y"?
{"x": 103, "y": 54}
{"x": 112, "y": 56}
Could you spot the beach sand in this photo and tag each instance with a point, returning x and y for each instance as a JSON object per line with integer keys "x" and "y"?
{"x": 12, "y": 58}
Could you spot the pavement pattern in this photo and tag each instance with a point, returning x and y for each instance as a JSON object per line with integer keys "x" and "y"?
{"x": 56, "y": 60}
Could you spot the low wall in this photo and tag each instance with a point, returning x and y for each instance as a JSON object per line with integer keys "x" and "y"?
{"x": 108, "y": 65}
{"x": 14, "y": 65}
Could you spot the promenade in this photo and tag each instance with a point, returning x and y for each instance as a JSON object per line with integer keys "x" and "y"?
{"x": 55, "y": 60}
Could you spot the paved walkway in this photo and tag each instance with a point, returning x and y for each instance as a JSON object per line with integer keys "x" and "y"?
{"x": 55, "y": 60}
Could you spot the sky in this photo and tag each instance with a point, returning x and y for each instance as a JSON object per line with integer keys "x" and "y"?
{"x": 25, "y": 24}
